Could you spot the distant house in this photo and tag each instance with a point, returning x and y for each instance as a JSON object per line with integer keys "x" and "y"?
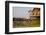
{"x": 35, "y": 13}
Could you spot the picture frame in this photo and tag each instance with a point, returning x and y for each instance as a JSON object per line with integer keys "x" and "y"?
{"x": 8, "y": 17}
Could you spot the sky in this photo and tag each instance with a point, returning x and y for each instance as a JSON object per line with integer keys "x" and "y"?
{"x": 20, "y": 12}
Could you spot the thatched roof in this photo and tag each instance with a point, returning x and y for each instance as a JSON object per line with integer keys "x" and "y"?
{"x": 36, "y": 9}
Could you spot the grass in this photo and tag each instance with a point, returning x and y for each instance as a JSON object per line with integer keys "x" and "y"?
{"x": 33, "y": 23}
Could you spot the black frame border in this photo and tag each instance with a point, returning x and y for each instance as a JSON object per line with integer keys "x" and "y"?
{"x": 7, "y": 17}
